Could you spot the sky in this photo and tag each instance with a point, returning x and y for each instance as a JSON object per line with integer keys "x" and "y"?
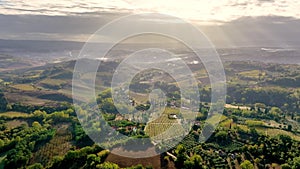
{"x": 233, "y": 22}
{"x": 199, "y": 10}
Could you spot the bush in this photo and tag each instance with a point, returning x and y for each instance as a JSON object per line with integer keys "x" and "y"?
{"x": 247, "y": 165}
{"x": 36, "y": 166}
{"x": 107, "y": 165}
{"x": 286, "y": 166}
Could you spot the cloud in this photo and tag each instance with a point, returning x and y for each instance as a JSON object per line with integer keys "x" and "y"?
{"x": 245, "y": 31}
{"x": 240, "y": 23}
{"x": 257, "y": 31}
{"x": 204, "y": 10}
{"x": 266, "y": 0}
{"x": 60, "y": 7}
{"x": 52, "y": 27}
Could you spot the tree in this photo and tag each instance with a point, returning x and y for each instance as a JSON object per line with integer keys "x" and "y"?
{"x": 108, "y": 106}
{"x": 181, "y": 156}
{"x": 3, "y": 102}
{"x": 234, "y": 118}
{"x": 266, "y": 110}
{"x": 105, "y": 94}
{"x": 107, "y": 165}
{"x": 260, "y": 105}
{"x": 286, "y": 166}
{"x": 285, "y": 139}
{"x": 92, "y": 161}
{"x": 1, "y": 143}
{"x": 247, "y": 165}
{"x": 289, "y": 127}
{"x": 222, "y": 137}
{"x": 296, "y": 163}
{"x": 36, "y": 124}
{"x": 39, "y": 114}
{"x": 35, "y": 166}
{"x": 102, "y": 155}
{"x": 275, "y": 111}
{"x": 69, "y": 111}
{"x": 195, "y": 162}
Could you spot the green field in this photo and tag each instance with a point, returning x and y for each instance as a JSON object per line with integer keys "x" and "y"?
{"x": 252, "y": 123}
{"x": 275, "y": 132}
{"x": 215, "y": 119}
{"x": 53, "y": 81}
{"x": 253, "y": 74}
{"x": 24, "y": 87}
{"x": 226, "y": 123}
{"x": 13, "y": 114}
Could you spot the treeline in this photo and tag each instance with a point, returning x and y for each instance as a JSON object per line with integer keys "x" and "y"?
{"x": 279, "y": 97}
{"x": 286, "y": 81}
{"x": 3, "y": 102}
{"x": 30, "y": 108}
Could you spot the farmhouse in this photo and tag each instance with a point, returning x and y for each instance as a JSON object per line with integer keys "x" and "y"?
{"x": 172, "y": 116}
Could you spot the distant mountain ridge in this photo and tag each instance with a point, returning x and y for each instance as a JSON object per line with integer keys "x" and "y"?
{"x": 56, "y": 51}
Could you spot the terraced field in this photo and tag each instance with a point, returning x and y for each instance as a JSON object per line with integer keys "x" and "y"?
{"x": 159, "y": 126}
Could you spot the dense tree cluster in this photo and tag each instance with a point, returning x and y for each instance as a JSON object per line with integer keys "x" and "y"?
{"x": 22, "y": 142}
{"x": 3, "y": 102}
